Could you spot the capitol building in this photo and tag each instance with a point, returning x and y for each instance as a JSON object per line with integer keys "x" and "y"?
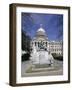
{"x": 41, "y": 42}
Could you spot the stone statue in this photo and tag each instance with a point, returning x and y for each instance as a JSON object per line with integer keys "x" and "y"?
{"x": 41, "y": 57}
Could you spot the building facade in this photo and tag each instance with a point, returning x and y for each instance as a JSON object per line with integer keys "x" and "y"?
{"x": 40, "y": 41}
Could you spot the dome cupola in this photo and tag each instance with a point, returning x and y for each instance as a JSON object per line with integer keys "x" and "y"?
{"x": 41, "y": 31}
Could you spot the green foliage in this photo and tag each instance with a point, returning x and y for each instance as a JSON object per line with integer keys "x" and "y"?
{"x": 57, "y": 56}
{"x": 25, "y": 46}
{"x": 25, "y": 42}
{"x": 25, "y": 57}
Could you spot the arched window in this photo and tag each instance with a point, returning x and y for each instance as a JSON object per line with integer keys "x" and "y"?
{"x": 38, "y": 44}
{"x": 46, "y": 44}
{"x": 35, "y": 43}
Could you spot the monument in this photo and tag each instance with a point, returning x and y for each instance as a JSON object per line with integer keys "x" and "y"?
{"x": 41, "y": 55}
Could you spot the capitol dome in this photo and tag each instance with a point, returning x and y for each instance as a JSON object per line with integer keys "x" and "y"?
{"x": 40, "y": 32}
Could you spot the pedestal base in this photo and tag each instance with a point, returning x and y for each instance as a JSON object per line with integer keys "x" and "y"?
{"x": 42, "y": 67}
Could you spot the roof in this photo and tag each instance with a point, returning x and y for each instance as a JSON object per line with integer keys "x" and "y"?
{"x": 41, "y": 30}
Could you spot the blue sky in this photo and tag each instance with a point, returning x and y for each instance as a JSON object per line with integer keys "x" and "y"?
{"x": 52, "y": 23}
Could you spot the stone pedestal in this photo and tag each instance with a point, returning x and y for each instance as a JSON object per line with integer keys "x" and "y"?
{"x": 42, "y": 58}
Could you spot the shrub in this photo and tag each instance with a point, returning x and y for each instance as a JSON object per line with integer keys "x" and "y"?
{"x": 58, "y": 57}
{"x": 25, "y": 57}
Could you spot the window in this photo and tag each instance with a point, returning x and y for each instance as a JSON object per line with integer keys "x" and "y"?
{"x": 35, "y": 43}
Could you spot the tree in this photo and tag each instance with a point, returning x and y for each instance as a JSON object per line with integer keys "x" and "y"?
{"x": 25, "y": 46}
{"x": 25, "y": 42}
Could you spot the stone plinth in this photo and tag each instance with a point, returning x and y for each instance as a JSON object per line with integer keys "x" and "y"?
{"x": 42, "y": 57}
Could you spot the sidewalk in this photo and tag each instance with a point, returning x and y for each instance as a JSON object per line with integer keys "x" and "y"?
{"x": 57, "y": 71}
